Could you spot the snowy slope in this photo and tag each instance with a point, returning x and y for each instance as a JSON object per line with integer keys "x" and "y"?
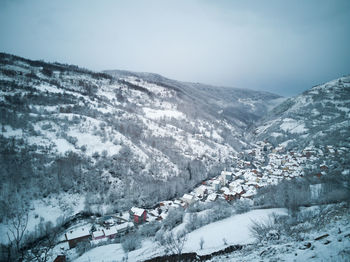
{"x": 319, "y": 116}
{"x": 234, "y": 229}
{"x": 67, "y": 129}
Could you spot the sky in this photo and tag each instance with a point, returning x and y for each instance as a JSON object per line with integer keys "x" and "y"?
{"x": 284, "y": 47}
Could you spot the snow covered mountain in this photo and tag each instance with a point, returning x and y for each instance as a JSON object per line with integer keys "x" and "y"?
{"x": 137, "y": 137}
{"x": 74, "y": 140}
{"x": 319, "y": 116}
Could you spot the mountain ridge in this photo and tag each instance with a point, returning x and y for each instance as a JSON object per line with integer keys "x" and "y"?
{"x": 88, "y": 128}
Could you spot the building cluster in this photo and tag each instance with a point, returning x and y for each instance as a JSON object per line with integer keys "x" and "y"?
{"x": 255, "y": 168}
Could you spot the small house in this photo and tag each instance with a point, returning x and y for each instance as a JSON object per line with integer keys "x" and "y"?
{"x": 75, "y": 236}
{"x": 201, "y": 191}
{"x": 188, "y": 199}
{"x": 124, "y": 228}
{"x": 110, "y": 232}
{"x": 228, "y": 195}
{"x": 216, "y": 185}
{"x": 227, "y": 176}
{"x": 139, "y": 215}
{"x": 212, "y": 197}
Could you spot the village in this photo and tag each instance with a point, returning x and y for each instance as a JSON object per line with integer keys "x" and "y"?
{"x": 255, "y": 168}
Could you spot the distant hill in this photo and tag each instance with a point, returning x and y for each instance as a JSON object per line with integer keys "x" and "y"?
{"x": 319, "y": 116}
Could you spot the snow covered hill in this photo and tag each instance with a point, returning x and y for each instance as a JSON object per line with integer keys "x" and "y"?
{"x": 319, "y": 116}
{"x": 131, "y": 138}
{"x": 74, "y": 140}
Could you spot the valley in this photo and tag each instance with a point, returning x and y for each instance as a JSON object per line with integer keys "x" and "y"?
{"x": 129, "y": 162}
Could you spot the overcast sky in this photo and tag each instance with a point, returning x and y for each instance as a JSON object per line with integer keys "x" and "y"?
{"x": 283, "y": 47}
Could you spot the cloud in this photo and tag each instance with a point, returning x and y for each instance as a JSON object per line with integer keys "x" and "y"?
{"x": 284, "y": 47}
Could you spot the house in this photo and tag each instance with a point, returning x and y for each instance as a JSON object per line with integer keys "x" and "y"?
{"x": 139, "y": 215}
{"x": 226, "y": 176}
{"x": 110, "y": 232}
{"x": 178, "y": 202}
{"x": 60, "y": 258}
{"x": 98, "y": 235}
{"x": 188, "y": 199}
{"x": 228, "y": 195}
{"x": 201, "y": 191}
{"x": 123, "y": 228}
{"x": 75, "y": 236}
{"x": 212, "y": 197}
{"x": 237, "y": 189}
{"x": 217, "y": 185}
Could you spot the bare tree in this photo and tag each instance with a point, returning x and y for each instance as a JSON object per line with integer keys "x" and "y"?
{"x": 17, "y": 228}
{"x": 43, "y": 250}
{"x": 174, "y": 243}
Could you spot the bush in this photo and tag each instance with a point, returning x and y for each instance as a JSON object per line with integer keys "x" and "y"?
{"x": 220, "y": 211}
{"x": 131, "y": 242}
{"x": 150, "y": 229}
{"x": 262, "y": 230}
{"x": 242, "y": 206}
{"x": 174, "y": 218}
{"x": 82, "y": 247}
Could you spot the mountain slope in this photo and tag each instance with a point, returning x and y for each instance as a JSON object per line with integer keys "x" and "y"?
{"x": 239, "y": 106}
{"x": 319, "y": 116}
{"x": 136, "y": 138}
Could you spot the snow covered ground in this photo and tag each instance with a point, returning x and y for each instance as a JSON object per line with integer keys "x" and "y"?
{"x": 48, "y": 210}
{"x": 330, "y": 243}
{"x": 234, "y": 229}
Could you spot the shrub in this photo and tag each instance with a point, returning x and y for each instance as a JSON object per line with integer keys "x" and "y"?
{"x": 131, "y": 242}
{"x": 150, "y": 229}
{"x": 82, "y": 247}
{"x": 262, "y": 229}
{"x": 242, "y": 206}
{"x": 174, "y": 218}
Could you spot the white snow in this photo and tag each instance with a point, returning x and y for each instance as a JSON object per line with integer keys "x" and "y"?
{"x": 234, "y": 229}
{"x": 50, "y": 210}
{"x": 137, "y": 211}
{"x": 292, "y": 126}
{"x": 157, "y": 114}
{"x": 50, "y": 89}
{"x": 77, "y": 232}
{"x": 10, "y": 132}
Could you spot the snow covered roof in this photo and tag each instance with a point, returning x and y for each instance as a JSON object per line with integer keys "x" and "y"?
{"x": 187, "y": 196}
{"x": 178, "y": 202}
{"x": 236, "y": 189}
{"x": 226, "y": 190}
{"x": 249, "y": 193}
{"x": 137, "y": 211}
{"x": 224, "y": 173}
{"x": 124, "y": 226}
{"x": 212, "y": 196}
{"x": 77, "y": 233}
{"x": 201, "y": 189}
{"x": 110, "y": 231}
{"x": 97, "y": 234}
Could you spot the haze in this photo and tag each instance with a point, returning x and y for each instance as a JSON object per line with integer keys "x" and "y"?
{"x": 277, "y": 46}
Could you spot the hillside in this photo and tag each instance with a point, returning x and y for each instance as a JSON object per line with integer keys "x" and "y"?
{"x": 318, "y": 117}
{"x": 133, "y": 138}
{"x": 74, "y": 140}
